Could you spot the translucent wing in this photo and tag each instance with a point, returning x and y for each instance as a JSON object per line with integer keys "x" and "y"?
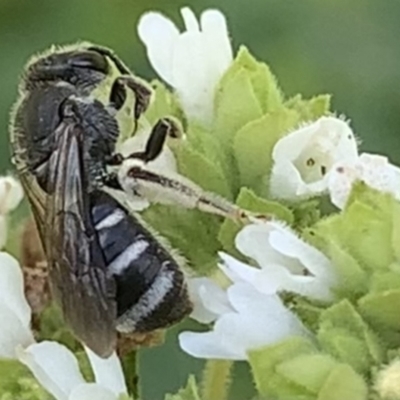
{"x": 77, "y": 267}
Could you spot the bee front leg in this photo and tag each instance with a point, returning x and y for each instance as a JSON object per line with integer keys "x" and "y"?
{"x": 174, "y": 189}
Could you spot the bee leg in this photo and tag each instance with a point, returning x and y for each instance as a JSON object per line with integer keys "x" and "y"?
{"x": 142, "y": 92}
{"x": 174, "y": 189}
{"x": 111, "y": 181}
{"x": 164, "y": 128}
{"x": 117, "y": 95}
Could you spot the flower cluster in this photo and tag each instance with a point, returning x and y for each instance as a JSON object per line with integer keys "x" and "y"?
{"x": 309, "y": 300}
{"x": 297, "y": 294}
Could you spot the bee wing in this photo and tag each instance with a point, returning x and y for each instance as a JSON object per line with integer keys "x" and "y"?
{"x": 77, "y": 267}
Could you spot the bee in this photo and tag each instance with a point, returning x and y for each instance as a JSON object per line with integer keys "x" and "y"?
{"x": 108, "y": 271}
{"x": 103, "y": 262}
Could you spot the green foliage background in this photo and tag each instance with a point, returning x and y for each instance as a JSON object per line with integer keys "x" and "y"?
{"x": 347, "y": 48}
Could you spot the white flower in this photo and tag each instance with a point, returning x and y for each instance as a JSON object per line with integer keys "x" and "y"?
{"x": 249, "y": 320}
{"x": 193, "y": 61}
{"x": 165, "y": 162}
{"x": 57, "y": 370}
{"x": 304, "y": 158}
{"x": 11, "y": 194}
{"x": 53, "y": 365}
{"x": 373, "y": 169}
{"x": 15, "y": 314}
{"x": 286, "y": 263}
{"x": 250, "y": 314}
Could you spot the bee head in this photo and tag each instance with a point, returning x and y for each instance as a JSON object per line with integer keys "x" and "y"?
{"x": 80, "y": 66}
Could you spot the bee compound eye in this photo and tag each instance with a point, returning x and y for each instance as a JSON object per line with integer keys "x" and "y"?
{"x": 89, "y": 60}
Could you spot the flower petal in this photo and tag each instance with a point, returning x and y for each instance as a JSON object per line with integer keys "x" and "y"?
{"x": 254, "y": 241}
{"x": 304, "y": 158}
{"x": 108, "y": 372}
{"x": 12, "y": 288}
{"x": 373, "y": 169}
{"x": 191, "y": 59}
{"x": 215, "y": 30}
{"x": 209, "y": 345}
{"x": 260, "y": 320}
{"x": 89, "y": 391}
{"x": 11, "y": 194}
{"x": 287, "y": 183}
{"x": 190, "y": 20}
{"x": 272, "y": 279}
{"x": 287, "y": 262}
{"x": 159, "y": 34}
{"x": 13, "y": 333}
{"x": 54, "y": 366}
{"x": 209, "y": 300}
{"x": 289, "y": 244}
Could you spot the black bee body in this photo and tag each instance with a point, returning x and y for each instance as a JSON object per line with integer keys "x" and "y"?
{"x": 147, "y": 278}
{"x": 107, "y": 271}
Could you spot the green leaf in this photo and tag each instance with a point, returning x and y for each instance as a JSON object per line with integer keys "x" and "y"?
{"x": 207, "y": 174}
{"x": 254, "y": 143}
{"x": 264, "y": 362}
{"x": 249, "y": 201}
{"x": 396, "y": 229}
{"x": 306, "y": 213}
{"x": 309, "y": 370}
{"x": 312, "y": 109}
{"x": 163, "y": 103}
{"x": 236, "y": 102}
{"x": 364, "y": 231}
{"x": 353, "y": 280}
{"x": 382, "y": 309}
{"x": 264, "y": 83}
{"x": 191, "y": 232}
{"x": 190, "y": 392}
{"x": 343, "y": 333}
{"x": 343, "y": 383}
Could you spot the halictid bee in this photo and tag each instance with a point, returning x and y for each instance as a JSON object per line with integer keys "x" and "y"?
{"x": 108, "y": 271}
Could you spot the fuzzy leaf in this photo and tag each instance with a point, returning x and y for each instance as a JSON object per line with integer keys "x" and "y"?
{"x": 382, "y": 309}
{"x": 309, "y": 370}
{"x": 343, "y": 383}
{"x": 312, "y": 109}
{"x": 253, "y": 145}
{"x": 365, "y": 231}
{"x": 343, "y": 333}
{"x": 249, "y": 201}
{"x": 206, "y": 173}
{"x": 190, "y": 392}
{"x": 353, "y": 279}
{"x": 263, "y": 81}
{"x": 236, "y": 102}
{"x": 191, "y": 232}
{"x": 264, "y": 361}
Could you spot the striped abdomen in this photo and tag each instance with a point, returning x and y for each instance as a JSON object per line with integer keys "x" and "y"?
{"x": 151, "y": 292}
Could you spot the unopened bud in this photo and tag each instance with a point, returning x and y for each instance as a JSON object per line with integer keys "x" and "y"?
{"x": 388, "y": 382}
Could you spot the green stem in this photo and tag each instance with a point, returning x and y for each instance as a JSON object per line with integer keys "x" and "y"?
{"x": 216, "y": 380}
{"x": 130, "y": 366}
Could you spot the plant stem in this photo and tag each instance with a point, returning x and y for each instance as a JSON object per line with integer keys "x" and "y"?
{"x": 216, "y": 380}
{"x": 130, "y": 366}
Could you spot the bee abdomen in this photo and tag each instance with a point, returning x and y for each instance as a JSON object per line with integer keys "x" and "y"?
{"x": 148, "y": 278}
